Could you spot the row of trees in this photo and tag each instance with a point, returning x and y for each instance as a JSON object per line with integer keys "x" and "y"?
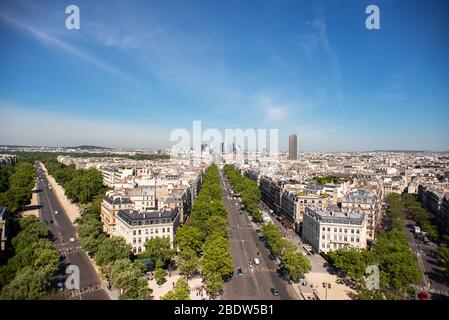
{"x": 423, "y": 217}
{"x": 16, "y": 183}
{"x": 27, "y": 274}
{"x": 390, "y": 252}
{"x": 248, "y": 189}
{"x": 202, "y": 242}
{"x": 112, "y": 255}
{"x": 81, "y": 186}
{"x": 292, "y": 261}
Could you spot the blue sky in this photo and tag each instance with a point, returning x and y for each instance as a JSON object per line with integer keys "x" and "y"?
{"x": 138, "y": 69}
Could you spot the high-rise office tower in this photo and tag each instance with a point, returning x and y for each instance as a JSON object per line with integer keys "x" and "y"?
{"x": 293, "y": 147}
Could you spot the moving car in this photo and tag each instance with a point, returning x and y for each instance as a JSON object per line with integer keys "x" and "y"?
{"x": 275, "y": 291}
{"x": 423, "y": 296}
{"x": 72, "y": 239}
{"x": 60, "y": 286}
{"x": 56, "y": 212}
{"x": 239, "y": 272}
{"x": 256, "y": 261}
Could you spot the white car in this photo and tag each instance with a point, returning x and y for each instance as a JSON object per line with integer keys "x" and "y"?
{"x": 72, "y": 239}
{"x": 56, "y": 212}
{"x": 256, "y": 261}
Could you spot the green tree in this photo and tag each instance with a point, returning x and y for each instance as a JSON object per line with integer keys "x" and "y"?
{"x": 214, "y": 284}
{"x": 189, "y": 237}
{"x": 159, "y": 275}
{"x": 127, "y": 277}
{"x": 28, "y": 284}
{"x": 296, "y": 264}
{"x": 158, "y": 249}
{"x": 110, "y": 250}
{"x": 179, "y": 292}
{"x": 189, "y": 262}
{"x": 217, "y": 257}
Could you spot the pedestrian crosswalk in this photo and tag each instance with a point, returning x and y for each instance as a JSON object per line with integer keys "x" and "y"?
{"x": 258, "y": 269}
{"x": 68, "y": 248}
{"x": 89, "y": 289}
{"x": 432, "y": 290}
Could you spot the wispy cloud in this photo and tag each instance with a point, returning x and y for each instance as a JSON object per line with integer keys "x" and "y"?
{"x": 317, "y": 38}
{"x": 84, "y": 56}
{"x": 273, "y": 110}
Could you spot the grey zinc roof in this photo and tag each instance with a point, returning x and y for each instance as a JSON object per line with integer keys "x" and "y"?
{"x": 336, "y": 216}
{"x": 132, "y": 217}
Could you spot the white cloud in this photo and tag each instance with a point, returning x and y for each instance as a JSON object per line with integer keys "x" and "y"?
{"x": 44, "y": 37}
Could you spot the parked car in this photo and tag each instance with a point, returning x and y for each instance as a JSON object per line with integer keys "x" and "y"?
{"x": 275, "y": 291}
{"x": 72, "y": 239}
{"x": 56, "y": 212}
{"x": 256, "y": 261}
{"x": 239, "y": 272}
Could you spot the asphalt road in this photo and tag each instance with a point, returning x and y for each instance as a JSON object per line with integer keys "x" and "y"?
{"x": 71, "y": 253}
{"x": 434, "y": 280}
{"x": 257, "y": 280}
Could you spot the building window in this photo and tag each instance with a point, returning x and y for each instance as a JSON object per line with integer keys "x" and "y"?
{"x": 335, "y": 229}
{"x": 168, "y": 229}
{"x": 140, "y": 232}
{"x": 358, "y": 231}
{"x": 324, "y": 229}
{"x": 357, "y": 240}
{"x": 151, "y": 231}
{"x": 140, "y": 249}
{"x": 163, "y": 230}
{"x": 339, "y": 230}
{"x": 139, "y": 240}
{"x": 329, "y": 229}
{"x": 134, "y": 232}
{"x": 134, "y": 240}
{"x": 346, "y": 230}
{"x": 352, "y": 230}
{"x": 146, "y": 231}
{"x": 134, "y": 250}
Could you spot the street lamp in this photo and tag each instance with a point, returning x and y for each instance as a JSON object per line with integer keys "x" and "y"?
{"x": 326, "y": 285}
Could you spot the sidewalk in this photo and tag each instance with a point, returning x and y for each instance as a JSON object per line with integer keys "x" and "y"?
{"x": 33, "y": 208}
{"x": 197, "y": 288}
{"x": 71, "y": 209}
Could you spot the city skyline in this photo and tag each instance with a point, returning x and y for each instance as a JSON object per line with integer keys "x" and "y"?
{"x": 134, "y": 73}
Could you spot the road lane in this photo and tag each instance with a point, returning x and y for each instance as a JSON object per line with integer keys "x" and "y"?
{"x": 257, "y": 280}
{"x": 63, "y": 231}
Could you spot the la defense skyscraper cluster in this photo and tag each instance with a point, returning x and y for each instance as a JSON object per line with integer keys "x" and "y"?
{"x": 293, "y": 147}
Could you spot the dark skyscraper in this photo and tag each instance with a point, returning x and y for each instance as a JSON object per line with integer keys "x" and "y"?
{"x": 293, "y": 147}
